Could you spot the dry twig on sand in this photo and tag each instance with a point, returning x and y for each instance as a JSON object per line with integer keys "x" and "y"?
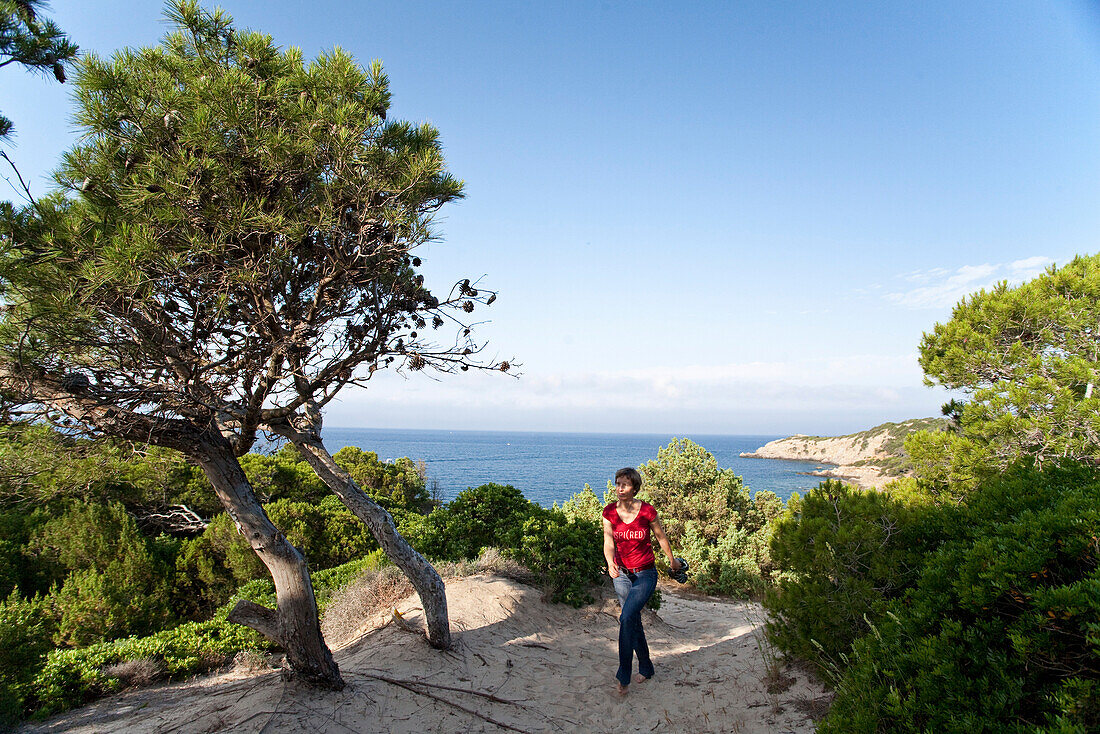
{"x": 411, "y": 685}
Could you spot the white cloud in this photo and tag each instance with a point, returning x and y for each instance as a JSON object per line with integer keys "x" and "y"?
{"x": 1030, "y": 267}
{"x": 871, "y": 382}
{"x": 924, "y": 276}
{"x": 941, "y": 288}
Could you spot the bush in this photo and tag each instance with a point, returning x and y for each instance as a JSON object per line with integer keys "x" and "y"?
{"x": 567, "y": 555}
{"x": 209, "y": 568}
{"x": 393, "y": 485}
{"x": 116, "y": 585}
{"x": 327, "y": 533}
{"x": 686, "y": 486}
{"x": 730, "y": 566}
{"x": 127, "y": 597}
{"x": 710, "y": 520}
{"x": 26, "y": 632}
{"x": 1002, "y": 632}
{"x": 948, "y": 464}
{"x": 489, "y": 516}
{"x": 583, "y": 505}
{"x": 203, "y": 578}
{"x": 74, "y": 677}
{"x": 738, "y": 562}
{"x": 766, "y": 508}
{"x": 20, "y": 569}
{"x": 845, "y": 552}
{"x": 284, "y": 475}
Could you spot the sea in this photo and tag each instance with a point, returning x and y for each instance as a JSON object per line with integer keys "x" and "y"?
{"x": 550, "y": 467}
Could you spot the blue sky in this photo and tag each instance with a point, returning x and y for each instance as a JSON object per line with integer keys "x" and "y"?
{"x": 700, "y": 217}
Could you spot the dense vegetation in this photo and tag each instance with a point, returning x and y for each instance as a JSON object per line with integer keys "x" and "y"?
{"x": 101, "y": 544}
{"x": 96, "y": 572}
{"x": 967, "y": 598}
{"x": 925, "y": 610}
{"x": 931, "y": 615}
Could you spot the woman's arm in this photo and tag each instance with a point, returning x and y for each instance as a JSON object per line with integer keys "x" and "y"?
{"x": 609, "y": 549}
{"x": 659, "y": 534}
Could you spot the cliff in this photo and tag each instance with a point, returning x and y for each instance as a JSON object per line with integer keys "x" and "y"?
{"x": 869, "y": 458}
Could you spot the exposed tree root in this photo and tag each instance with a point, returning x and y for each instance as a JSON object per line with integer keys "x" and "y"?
{"x": 411, "y": 685}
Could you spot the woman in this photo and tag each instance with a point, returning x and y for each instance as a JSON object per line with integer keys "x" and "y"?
{"x": 627, "y": 524}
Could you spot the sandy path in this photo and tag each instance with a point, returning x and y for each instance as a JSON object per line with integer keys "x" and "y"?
{"x": 553, "y": 664}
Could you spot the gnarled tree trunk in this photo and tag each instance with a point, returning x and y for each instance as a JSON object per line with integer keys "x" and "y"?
{"x": 420, "y": 573}
{"x": 294, "y": 624}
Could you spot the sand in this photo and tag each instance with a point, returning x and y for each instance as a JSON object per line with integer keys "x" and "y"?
{"x": 549, "y": 667}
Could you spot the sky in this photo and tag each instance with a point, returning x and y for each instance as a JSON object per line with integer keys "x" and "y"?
{"x": 712, "y": 218}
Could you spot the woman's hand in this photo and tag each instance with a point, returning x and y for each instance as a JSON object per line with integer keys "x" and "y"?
{"x": 609, "y": 550}
{"x": 674, "y": 565}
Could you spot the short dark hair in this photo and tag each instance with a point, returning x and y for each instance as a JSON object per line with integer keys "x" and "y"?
{"x": 632, "y": 474}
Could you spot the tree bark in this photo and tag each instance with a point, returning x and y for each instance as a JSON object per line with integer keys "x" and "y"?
{"x": 420, "y": 573}
{"x": 294, "y": 624}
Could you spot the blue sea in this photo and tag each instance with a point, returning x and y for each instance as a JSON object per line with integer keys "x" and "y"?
{"x": 551, "y": 467}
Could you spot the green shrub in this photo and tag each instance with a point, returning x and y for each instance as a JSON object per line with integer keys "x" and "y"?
{"x": 326, "y": 532}
{"x": 583, "y": 505}
{"x": 26, "y": 634}
{"x": 489, "y": 516}
{"x": 738, "y": 562}
{"x": 116, "y": 584}
{"x": 1002, "y": 631}
{"x": 209, "y": 568}
{"x": 686, "y": 486}
{"x": 766, "y": 508}
{"x": 567, "y": 555}
{"x": 74, "y": 677}
{"x": 730, "y": 566}
{"x": 203, "y": 579}
{"x": 710, "y": 519}
{"x": 20, "y": 569}
{"x": 948, "y": 464}
{"x": 127, "y": 597}
{"x": 393, "y": 485}
{"x": 86, "y": 535}
{"x": 845, "y": 552}
{"x": 283, "y": 475}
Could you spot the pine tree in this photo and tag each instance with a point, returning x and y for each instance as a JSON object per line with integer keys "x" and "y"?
{"x": 1029, "y": 359}
{"x": 35, "y": 42}
{"x": 230, "y": 247}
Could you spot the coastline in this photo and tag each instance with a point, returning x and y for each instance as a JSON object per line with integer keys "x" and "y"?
{"x": 869, "y": 459}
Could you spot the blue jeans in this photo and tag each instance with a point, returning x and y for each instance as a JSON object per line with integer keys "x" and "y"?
{"x": 633, "y": 595}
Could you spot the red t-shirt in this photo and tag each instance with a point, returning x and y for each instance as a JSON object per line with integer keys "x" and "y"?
{"x": 632, "y": 546}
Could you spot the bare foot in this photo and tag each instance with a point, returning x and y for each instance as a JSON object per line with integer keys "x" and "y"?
{"x": 621, "y": 690}
{"x": 639, "y": 678}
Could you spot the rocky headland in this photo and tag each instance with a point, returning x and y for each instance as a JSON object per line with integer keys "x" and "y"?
{"x": 870, "y": 458}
